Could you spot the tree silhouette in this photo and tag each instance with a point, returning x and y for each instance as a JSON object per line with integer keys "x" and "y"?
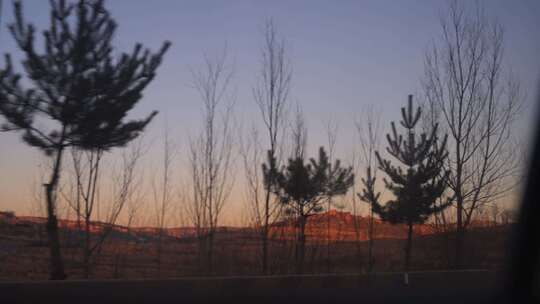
{"x": 417, "y": 183}
{"x": 78, "y": 94}
{"x": 271, "y": 95}
{"x": 211, "y": 154}
{"x": 303, "y": 187}
{"x": 471, "y": 94}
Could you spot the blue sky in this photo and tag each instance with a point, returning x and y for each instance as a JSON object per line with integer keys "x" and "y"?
{"x": 345, "y": 56}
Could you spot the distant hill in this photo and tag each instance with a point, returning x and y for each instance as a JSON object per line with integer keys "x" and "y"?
{"x": 345, "y": 226}
{"x": 131, "y": 253}
{"x": 335, "y": 225}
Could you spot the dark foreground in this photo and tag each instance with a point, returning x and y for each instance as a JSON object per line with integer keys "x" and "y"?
{"x": 424, "y": 287}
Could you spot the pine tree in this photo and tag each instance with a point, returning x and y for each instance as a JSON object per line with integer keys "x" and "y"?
{"x": 417, "y": 182}
{"x": 77, "y": 94}
{"x": 303, "y": 187}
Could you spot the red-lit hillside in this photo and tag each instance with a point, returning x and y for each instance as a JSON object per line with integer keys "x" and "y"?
{"x": 344, "y": 226}
{"x": 131, "y": 253}
{"x": 334, "y": 225}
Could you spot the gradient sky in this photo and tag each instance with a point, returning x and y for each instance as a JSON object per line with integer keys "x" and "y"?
{"x": 345, "y": 55}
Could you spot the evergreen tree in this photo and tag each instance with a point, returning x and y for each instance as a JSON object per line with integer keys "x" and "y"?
{"x": 303, "y": 187}
{"x": 76, "y": 93}
{"x": 417, "y": 182}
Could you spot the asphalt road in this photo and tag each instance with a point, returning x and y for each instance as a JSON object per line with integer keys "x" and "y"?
{"x": 423, "y": 287}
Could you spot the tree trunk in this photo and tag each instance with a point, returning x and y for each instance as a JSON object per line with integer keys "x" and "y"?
{"x": 158, "y": 252}
{"x": 370, "y": 243}
{"x": 265, "y": 233}
{"x": 201, "y": 252}
{"x": 359, "y": 253}
{"x": 56, "y": 271}
{"x": 408, "y": 247}
{"x": 459, "y": 234}
{"x": 87, "y": 248}
{"x": 210, "y": 253}
{"x": 328, "y": 263}
{"x": 459, "y": 198}
{"x": 301, "y": 246}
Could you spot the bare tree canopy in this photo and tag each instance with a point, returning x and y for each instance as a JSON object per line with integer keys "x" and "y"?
{"x": 162, "y": 190}
{"x": 274, "y": 82}
{"x": 271, "y": 96}
{"x": 210, "y": 152}
{"x": 476, "y": 102}
{"x": 369, "y": 132}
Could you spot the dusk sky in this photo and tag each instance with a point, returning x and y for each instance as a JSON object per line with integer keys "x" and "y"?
{"x": 345, "y": 55}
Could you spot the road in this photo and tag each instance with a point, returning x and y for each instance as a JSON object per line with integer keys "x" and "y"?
{"x": 473, "y": 286}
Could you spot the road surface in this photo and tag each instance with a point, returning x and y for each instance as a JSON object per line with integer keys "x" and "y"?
{"x": 474, "y": 286}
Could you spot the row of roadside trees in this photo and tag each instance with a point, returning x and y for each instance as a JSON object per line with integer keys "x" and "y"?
{"x": 455, "y": 150}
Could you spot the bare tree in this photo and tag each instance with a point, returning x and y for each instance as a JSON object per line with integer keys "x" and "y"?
{"x": 136, "y": 197}
{"x": 289, "y": 246}
{"x": 331, "y": 136}
{"x": 162, "y": 195}
{"x": 299, "y": 135}
{"x": 369, "y": 132}
{"x": 252, "y": 154}
{"x": 250, "y": 151}
{"x": 129, "y": 194}
{"x": 87, "y": 172}
{"x": 271, "y": 94}
{"x": 125, "y": 192}
{"x": 211, "y": 153}
{"x": 477, "y": 103}
{"x": 355, "y": 208}
{"x": 36, "y": 207}
{"x": 83, "y": 197}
